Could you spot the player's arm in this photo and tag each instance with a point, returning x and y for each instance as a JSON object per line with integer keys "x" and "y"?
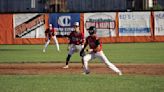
{"x": 82, "y": 51}
{"x": 69, "y": 38}
{"x": 46, "y": 35}
{"x": 97, "y": 42}
{"x": 82, "y": 39}
{"x": 85, "y": 44}
{"x": 55, "y": 33}
{"x": 98, "y": 48}
{"x": 98, "y": 45}
{"x": 52, "y": 32}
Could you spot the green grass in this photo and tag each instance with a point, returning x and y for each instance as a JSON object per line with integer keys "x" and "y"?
{"x": 80, "y": 83}
{"x": 136, "y": 52}
{"x": 117, "y": 53}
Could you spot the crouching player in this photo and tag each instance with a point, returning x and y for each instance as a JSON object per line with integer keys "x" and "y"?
{"x": 96, "y": 46}
{"x": 76, "y": 43}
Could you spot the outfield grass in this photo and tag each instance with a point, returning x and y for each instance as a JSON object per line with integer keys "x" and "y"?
{"x": 80, "y": 83}
{"x": 117, "y": 53}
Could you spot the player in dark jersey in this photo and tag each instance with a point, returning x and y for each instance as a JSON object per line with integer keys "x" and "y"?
{"x": 76, "y": 39}
{"x": 50, "y": 33}
{"x": 96, "y": 51}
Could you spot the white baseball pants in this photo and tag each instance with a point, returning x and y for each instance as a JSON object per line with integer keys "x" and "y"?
{"x": 75, "y": 48}
{"x": 55, "y": 42}
{"x": 102, "y": 57}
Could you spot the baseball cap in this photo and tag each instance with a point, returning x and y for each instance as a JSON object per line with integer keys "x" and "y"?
{"x": 50, "y": 25}
{"x": 92, "y": 28}
{"x": 76, "y": 24}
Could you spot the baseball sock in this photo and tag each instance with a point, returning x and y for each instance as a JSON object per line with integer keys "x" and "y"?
{"x": 68, "y": 58}
{"x": 46, "y": 44}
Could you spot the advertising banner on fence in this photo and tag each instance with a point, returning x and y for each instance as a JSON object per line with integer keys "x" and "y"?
{"x": 63, "y": 22}
{"x": 159, "y": 23}
{"x": 134, "y": 24}
{"x": 104, "y": 22}
{"x": 29, "y": 25}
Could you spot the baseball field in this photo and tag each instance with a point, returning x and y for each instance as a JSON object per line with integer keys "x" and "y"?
{"x": 25, "y": 68}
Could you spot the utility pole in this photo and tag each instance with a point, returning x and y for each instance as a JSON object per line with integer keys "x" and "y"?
{"x": 56, "y": 6}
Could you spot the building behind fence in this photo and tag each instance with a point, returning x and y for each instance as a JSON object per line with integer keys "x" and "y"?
{"x": 12, "y": 6}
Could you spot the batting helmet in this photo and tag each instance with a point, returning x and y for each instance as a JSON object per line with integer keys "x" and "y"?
{"x": 91, "y": 30}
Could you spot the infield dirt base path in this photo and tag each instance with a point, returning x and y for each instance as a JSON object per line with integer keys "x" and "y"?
{"x": 76, "y": 68}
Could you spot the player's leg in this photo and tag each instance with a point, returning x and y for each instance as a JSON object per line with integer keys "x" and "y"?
{"x": 67, "y": 61}
{"x": 56, "y": 42}
{"x": 71, "y": 51}
{"x": 79, "y": 48}
{"x": 102, "y": 56}
{"x": 86, "y": 59}
{"x": 46, "y": 44}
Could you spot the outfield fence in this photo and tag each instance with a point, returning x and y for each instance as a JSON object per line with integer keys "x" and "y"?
{"x": 112, "y": 27}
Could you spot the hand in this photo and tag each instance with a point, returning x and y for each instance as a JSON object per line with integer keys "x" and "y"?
{"x": 97, "y": 49}
{"x": 46, "y": 39}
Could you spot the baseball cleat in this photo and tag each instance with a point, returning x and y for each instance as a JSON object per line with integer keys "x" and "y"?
{"x": 120, "y": 73}
{"x": 44, "y": 50}
{"x": 87, "y": 72}
{"x": 66, "y": 67}
{"x": 59, "y": 51}
{"x": 84, "y": 73}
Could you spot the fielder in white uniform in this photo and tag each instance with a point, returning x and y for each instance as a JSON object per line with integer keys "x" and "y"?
{"x": 50, "y": 33}
{"x": 96, "y": 46}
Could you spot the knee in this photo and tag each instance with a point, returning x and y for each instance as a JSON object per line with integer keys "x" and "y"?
{"x": 48, "y": 40}
{"x": 85, "y": 59}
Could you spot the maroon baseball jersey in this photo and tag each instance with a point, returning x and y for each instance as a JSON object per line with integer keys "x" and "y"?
{"x": 91, "y": 40}
{"x": 50, "y": 32}
{"x": 76, "y": 38}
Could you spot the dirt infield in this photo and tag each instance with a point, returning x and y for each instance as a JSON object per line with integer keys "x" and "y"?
{"x": 76, "y": 68}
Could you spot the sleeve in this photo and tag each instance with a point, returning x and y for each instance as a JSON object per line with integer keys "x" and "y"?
{"x": 46, "y": 31}
{"x": 69, "y": 37}
{"x": 82, "y": 38}
{"x": 98, "y": 45}
{"x": 97, "y": 42}
{"x": 53, "y": 30}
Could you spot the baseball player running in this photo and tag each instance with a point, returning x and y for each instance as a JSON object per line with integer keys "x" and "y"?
{"x": 96, "y": 46}
{"x": 76, "y": 42}
{"x": 50, "y": 33}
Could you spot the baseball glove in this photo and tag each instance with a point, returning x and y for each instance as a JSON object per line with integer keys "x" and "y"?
{"x": 82, "y": 53}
